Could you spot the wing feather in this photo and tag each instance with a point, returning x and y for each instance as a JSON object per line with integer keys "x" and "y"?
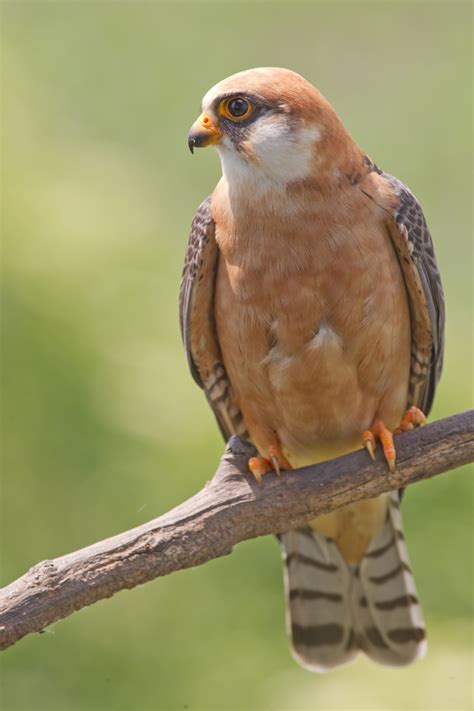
{"x": 413, "y": 243}
{"x": 198, "y": 327}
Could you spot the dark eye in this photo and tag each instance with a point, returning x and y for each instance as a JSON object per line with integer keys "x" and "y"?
{"x": 236, "y": 109}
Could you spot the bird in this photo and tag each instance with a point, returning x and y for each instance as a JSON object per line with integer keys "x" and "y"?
{"x": 312, "y": 316}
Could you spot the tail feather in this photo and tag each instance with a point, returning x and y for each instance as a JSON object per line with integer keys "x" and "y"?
{"x": 389, "y": 597}
{"x": 317, "y": 583}
{"x": 336, "y": 610}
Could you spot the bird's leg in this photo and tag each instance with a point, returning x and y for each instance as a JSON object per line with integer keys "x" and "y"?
{"x": 412, "y": 418}
{"x": 275, "y": 461}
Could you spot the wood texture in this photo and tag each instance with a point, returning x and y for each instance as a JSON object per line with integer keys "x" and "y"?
{"x": 229, "y": 509}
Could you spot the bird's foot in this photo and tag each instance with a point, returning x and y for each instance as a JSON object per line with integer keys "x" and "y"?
{"x": 378, "y": 431}
{"x": 412, "y": 418}
{"x": 276, "y": 461}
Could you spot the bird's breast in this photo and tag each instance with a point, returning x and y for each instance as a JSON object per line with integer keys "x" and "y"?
{"x": 312, "y": 328}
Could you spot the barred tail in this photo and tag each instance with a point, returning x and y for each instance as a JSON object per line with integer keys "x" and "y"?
{"x": 336, "y": 610}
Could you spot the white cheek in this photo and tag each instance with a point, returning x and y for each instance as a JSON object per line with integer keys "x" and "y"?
{"x": 235, "y": 169}
{"x": 279, "y": 156}
{"x": 282, "y": 152}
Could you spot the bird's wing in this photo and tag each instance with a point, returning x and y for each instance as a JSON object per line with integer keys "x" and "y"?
{"x": 198, "y": 327}
{"x": 412, "y": 240}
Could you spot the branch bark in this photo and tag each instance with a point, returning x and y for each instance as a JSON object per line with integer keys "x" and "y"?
{"x": 229, "y": 509}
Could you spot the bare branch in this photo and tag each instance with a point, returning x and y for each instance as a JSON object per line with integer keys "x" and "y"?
{"x": 229, "y": 509}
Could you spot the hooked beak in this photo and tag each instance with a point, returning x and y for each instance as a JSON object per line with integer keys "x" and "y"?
{"x": 204, "y": 132}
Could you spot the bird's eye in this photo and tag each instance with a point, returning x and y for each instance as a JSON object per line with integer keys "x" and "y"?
{"x": 236, "y": 109}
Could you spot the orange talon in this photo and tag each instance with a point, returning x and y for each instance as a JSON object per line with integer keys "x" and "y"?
{"x": 368, "y": 440}
{"x": 386, "y": 440}
{"x": 259, "y": 466}
{"x": 378, "y": 431}
{"x": 413, "y": 417}
{"x": 276, "y": 460}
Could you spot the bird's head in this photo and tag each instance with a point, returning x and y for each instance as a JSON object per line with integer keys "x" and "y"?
{"x": 270, "y": 126}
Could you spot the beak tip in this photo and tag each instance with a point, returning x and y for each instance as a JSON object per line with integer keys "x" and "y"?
{"x": 204, "y": 132}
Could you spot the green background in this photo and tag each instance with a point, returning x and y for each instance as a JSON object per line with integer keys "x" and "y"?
{"x": 103, "y": 427}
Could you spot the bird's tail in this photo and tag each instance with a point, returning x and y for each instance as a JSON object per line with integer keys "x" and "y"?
{"x": 336, "y": 610}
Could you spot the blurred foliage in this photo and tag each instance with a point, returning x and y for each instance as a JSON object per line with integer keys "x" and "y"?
{"x": 103, "y": 427}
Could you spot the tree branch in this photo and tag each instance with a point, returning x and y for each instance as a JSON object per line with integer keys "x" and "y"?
{"x": 229, "y": 509}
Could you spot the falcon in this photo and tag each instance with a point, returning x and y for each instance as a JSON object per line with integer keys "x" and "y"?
{"x": 312, "y": 315}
